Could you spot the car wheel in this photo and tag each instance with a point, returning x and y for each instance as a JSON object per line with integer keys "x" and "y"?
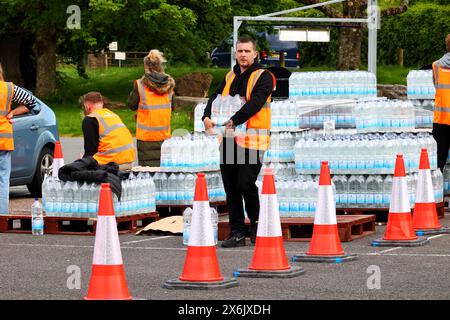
{"x": 43, "y": 166}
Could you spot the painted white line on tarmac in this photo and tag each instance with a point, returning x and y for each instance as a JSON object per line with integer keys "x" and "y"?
{"x": 391, "y": 249}
{"x": 151, "y": 239}
{"x": 436, "y": 236}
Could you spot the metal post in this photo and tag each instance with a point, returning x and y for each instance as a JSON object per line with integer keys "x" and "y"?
{"x": 373, "y": 24}
{"x": 236, "y": 24}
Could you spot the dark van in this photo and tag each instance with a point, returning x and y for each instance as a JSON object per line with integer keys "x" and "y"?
{"x": 221, "y": 55}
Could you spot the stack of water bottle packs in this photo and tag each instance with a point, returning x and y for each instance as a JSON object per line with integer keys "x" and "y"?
{"x": 179, "y": 188}
{"x": 190, "y": 153}
{"x": 363, "y": 153}
{"x": 384, "y": 116}
{"x": 72, "y": 199}
{"x": 332, "y": 85}
{"x": 420, "y": 85}
{"x": 297, "y": 195}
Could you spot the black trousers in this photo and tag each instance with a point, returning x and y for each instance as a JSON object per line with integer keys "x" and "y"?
{"x": 240, "y": 168}
{"x": 441, "y": 133}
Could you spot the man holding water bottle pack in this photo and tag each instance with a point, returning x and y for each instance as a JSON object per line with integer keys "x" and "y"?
{"x": 242, "y": 152}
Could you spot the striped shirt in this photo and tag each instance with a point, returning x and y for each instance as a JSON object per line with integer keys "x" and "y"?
{"x": 22, "y": 96}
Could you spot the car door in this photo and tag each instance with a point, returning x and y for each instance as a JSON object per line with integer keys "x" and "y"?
{"x": 26, "y": 134}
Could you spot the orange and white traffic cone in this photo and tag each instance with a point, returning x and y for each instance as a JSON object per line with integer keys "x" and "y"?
{"x": 58, "y": 159}
{"x": 325, "y": 244}
{"x": 201, "y": 266}
{"x": 269, "y": 257}
{"x": 425, "y": 217}
{"x": 399, "y": 230}
{"x": 108, "y": 275}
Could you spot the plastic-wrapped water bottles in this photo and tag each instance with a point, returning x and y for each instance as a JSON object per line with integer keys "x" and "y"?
{"x": 191, "y": 153}
{"x": 281, "y": 147}
{"x": 332, "y": 85}
{"x": 384, "y": 116}
{"x": 420, "y": 84}
{"x": 367, "y": 153}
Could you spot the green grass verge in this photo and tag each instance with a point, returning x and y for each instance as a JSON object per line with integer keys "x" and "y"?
{"x": 116, "y": 84}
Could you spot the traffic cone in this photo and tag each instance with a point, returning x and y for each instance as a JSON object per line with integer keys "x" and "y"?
{"x": 425, "y": 217}
{"x": 201, "y": 267}
{"x": 399, "y": 230}
{"x": 325, "y": 244}
{"x": 269, "y": 257}
{"x": 58, "y": 159}
{"x": 108, "y": 275}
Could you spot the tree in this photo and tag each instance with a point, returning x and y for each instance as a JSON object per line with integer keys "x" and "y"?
{"x": 350, "y": 37}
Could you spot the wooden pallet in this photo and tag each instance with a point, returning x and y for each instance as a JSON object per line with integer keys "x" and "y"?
{"x": 72, "y": 225}
{"x": 300, "y": 229}
{"x": 382, "y": 213}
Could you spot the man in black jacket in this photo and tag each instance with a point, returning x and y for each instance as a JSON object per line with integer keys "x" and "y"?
{"x": 240, "y": 169}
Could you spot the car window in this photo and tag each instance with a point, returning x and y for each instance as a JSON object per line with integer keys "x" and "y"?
{"x": 31, "y": 112}
{"x": 275, "y": 42}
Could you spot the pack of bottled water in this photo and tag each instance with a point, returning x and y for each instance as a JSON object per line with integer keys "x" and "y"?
{"x": 363, "y": 153}
{"x": 332, "y": 85}
{"x": 187, "y": 218}
{"x": 281, "y": 147}
{"x": 281, "y": 170}
{"x": 374, "y": 191}
{"x": 297, "y": 197}
{"x": 179, "y": 188}
{"x": 283, "y": 116}
{"x": 384, "y": 116}
{"x": 222, "y": 109}
{"x": 341, "y": 114}
{"x": 190, "y": 153}
{"x": 72, "y": 199}
{"x": 420, "y": 84}
{"x": 423, "y": 117}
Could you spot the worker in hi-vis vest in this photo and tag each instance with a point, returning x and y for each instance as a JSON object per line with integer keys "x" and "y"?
{"x": 152, "y": 99}
{"x": 441, "y": 118}
{"x": 242, "y": 151}
{"x": 106, "y": 138}
{"x": 9, "y": 93}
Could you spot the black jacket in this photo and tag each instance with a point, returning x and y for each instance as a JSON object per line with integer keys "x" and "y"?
{"x": 88, "y": 170}
{"x": 263, "y": 88}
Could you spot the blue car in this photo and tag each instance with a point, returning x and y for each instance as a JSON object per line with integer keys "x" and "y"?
{"x": 221, "y": 55}
{"x": 35, "y": 134}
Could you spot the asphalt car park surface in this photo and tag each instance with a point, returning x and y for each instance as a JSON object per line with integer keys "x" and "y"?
{"x": 40, "y": 267}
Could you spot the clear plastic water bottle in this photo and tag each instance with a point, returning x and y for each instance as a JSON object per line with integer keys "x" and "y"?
{"x": 76, "y": 200}
{"x": 37, "y": 218}
{"x": 187, "y": 216}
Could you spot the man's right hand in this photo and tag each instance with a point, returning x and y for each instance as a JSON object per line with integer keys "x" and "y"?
{"x": 209, "y": 124}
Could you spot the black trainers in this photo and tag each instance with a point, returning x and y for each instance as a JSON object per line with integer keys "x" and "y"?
{"x": 235, "y": 240}
{"x": 253, "y": 231}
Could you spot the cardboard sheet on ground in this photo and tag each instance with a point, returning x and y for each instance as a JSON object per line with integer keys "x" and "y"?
{"x": 170, "y": 225}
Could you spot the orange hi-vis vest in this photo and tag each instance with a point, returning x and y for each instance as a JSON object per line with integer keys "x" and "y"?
{"x": 116, "y": 143}
{"x": 442, "y": 98}
{"x": 257, "y": 135}
{"x": 6, "y": 128}
{"x": 153, "y": 115}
